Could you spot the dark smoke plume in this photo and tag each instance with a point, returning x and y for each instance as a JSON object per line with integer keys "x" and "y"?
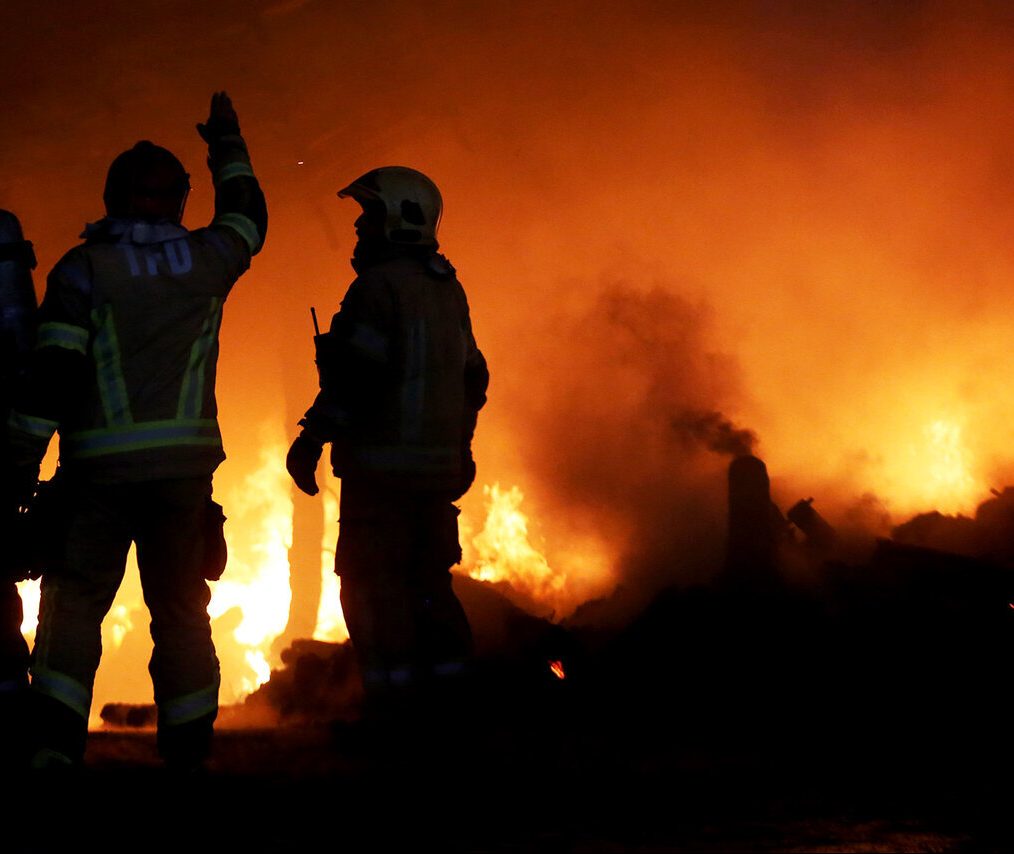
{"x": 598, "y": 430}
{"x": 715, "y": 432}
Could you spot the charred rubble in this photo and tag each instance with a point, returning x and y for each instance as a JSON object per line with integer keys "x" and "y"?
{"x": 798, "y": 644}
{"x": 318, "y": 682}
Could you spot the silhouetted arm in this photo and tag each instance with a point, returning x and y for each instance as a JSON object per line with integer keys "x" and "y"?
{"x": 240, "y": 207}
{"x": 58, "y": 367}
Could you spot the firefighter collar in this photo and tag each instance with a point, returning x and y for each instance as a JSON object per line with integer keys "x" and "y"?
{"x": 137, "y": 231}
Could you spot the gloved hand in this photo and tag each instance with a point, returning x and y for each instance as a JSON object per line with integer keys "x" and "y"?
{"x": 301, "y": 463}
{"x": 222, "y": 119}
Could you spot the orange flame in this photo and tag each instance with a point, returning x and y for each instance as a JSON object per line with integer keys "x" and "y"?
{"x": 256, "y": 581}
{"x": 330, "y": 619}
{"x": 934, "y": 469}
{"x": 503, "y": 551}
{"x": 249, "y": 605}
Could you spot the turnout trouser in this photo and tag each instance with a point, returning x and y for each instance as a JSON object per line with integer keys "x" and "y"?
{"x": 394, "y": 555}
{"x": 165, "y": 521}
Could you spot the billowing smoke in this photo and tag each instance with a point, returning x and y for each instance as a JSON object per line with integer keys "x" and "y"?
{"x": 623, "y": 426}
{"x": 715, "y": 432}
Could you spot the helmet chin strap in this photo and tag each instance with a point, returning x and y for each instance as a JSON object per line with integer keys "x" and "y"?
{"x": 183, "y": 202}
{"x": 370, "y": 251}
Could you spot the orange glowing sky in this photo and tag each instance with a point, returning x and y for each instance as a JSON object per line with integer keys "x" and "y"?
{"x": 806, "y": 208}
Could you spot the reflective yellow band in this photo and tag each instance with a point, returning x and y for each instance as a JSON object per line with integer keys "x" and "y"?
{"x": 413, "y": 390}
{"x": 61, "y": 687}
{"x": 146, "y": 435}
{"x": 243, "y": 226}
{"x": 192, "y": 391}
{"x": 112, "y": 386}
{"x": 233, "y": 170}
{"x": 62, "y": 335}
{"x": 190, "y": 707}
{"x": 32, "y": 425}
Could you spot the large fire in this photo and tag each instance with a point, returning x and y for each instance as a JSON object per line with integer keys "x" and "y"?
{"x": 943, "y": 468}
{"x": 503, "y": 551}
{"x": 256, "y": 584}
{"x": 800, "y": 213}
{"x": 250, "y": 604}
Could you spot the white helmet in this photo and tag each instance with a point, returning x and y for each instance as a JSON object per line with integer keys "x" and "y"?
{"x": 412, "y": 203}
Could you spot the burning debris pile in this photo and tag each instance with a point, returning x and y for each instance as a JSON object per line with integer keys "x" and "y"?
{"x": 910, "y": 642}
{"x": 791, "y": 642}
{"x": 318, "y": 681}
{"x": 987, "y": 535}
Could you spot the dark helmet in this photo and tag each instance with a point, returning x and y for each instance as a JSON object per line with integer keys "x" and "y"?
{"x": 147, "y": 182}
{"x": 411, "y": 203}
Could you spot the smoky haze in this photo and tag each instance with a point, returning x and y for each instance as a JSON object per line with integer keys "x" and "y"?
{"x": 620, "y": 422}
{"x": 685, "y": 229}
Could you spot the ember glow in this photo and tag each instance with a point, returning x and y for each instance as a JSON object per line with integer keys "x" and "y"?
{"x": 556, "y": 668}
{"x": 794, "y": 219}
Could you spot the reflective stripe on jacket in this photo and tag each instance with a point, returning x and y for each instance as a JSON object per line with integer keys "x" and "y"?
{"x": 152, "y": 330}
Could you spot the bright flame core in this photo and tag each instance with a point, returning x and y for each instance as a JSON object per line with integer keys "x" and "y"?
{"x": 949, "y": 467}
{"x": 330, "y": 619}
{"x": 503, "y": 551}
{"x": 259, "y": 532}
{"x": 29, "y": 592}
{"x": 935, "y": 469}
{"x": 251, "y": 602}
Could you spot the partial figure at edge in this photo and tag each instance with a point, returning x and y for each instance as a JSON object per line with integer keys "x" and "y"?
{"x": 18, "y": 306}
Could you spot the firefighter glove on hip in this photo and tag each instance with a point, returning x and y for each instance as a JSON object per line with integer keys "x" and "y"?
{"x": 301, "y": 463}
